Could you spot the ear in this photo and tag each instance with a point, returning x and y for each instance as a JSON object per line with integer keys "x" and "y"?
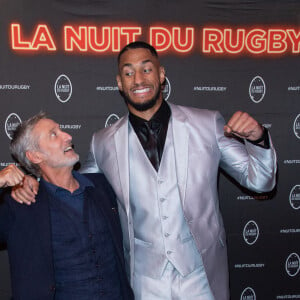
{"x": 119, "y": 81}
{"x": 34, "y": 157}
{"x": 162, "y": 74}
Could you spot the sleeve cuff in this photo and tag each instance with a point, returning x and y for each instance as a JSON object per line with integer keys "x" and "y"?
{"x": 264, "y": 138}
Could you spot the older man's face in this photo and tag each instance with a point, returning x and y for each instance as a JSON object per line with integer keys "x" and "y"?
{"x": 55, "y": 146}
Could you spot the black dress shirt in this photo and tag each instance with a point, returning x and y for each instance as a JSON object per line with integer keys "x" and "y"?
{"x": 158, "y": 125}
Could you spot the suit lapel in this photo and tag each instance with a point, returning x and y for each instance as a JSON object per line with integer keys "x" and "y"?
{"x": 121, "y": 146}
{"x": 181, "y": 142}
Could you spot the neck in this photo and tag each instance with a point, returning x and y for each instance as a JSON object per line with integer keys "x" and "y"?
{"x": 62, "y": 178}
{"x": 147, "y": 114}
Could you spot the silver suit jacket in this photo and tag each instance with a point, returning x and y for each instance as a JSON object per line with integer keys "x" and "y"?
{"x": 200, "y": 149}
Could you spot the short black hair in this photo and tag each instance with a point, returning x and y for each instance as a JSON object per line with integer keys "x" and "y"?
{"x": 137, "y": 45}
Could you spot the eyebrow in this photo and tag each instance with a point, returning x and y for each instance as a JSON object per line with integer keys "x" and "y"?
{"x": 55, "y": 127}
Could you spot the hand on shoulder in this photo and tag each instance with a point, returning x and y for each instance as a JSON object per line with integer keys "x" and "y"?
{"x": 11, "y": 176}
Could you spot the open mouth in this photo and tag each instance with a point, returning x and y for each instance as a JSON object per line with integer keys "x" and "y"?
{"x": 142, "y": 91}
{"x": 68, "y": 149}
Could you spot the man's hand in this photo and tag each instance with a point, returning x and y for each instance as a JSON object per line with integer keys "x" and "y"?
{"x": 10, "y": 176}
{"x": 26, "y": 192}
{"x": 243, "y": 126}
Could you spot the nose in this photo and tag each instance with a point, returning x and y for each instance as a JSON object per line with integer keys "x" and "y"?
{"x": 139, "y": 77}
{"x": 67, "y": 137}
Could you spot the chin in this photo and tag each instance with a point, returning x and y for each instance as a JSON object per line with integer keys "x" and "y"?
{"x": 143, "y": 106}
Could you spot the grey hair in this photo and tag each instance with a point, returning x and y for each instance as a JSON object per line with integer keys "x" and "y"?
{"x": 23, "y": 140}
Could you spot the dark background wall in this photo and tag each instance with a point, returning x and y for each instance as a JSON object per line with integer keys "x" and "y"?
{"x": 78, "y": 89}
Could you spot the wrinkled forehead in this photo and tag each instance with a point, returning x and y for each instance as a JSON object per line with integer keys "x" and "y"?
{"x": 45, "y": 124}
{"x": 43, "y": 127}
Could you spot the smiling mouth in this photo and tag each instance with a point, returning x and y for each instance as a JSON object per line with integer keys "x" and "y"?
{"x": 70, "y": 148}
{"x": 141, "y": 91}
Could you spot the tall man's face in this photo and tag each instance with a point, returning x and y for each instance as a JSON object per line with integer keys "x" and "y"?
{"x": 140, "y": 79}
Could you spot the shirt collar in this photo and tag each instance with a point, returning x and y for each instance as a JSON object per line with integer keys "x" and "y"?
{"x": 162, "y": 117}
{"x": 83, "y": 181}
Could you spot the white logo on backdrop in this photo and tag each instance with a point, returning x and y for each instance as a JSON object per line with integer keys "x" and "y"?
{"x": 63, "y": 88}
{"x": 11, "y": 123}
{"x": 248, "y": 294}
{"x": 297, "y": 126}
{"x": 251, "y": 232}
{"x": 166, "y": 89}
{"x": 257, "y": 89}
{"x": 113, "y": 118}
{"x": 295, "y": 197}
{"x": 292, "y": 264}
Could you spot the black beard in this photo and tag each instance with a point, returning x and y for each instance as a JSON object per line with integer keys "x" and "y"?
{"x": 142, "y": 106}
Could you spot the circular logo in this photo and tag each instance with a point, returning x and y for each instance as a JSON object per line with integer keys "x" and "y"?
{"x": 248, "y": 294}
{"x": 292, "y": 264}
{"x": 113, "y": 118}
{"x": 166, "y": 89}
{"x": 251, "y": 232}
{"x": 257, "y": 89}
{"x": 295, "y": 197}
{"x": 11, "y": 123}
{"x": 63, "y": 88}
{"x": 297, "y": 126}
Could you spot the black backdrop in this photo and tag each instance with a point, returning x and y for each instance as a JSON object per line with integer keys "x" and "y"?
{"x": 60, "y": 57}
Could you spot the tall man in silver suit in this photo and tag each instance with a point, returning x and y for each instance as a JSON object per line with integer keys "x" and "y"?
{"x": 173, "y": 231}
{"x": 162, "y": 161}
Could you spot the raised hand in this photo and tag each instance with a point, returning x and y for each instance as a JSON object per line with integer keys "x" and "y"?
{"x": 243, "y": 125}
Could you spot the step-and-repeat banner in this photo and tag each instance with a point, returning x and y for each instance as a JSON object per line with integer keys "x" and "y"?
{"x": 59, "y": 56}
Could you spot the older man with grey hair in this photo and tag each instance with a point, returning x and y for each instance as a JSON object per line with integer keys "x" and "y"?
{"x": 68, "y": 245}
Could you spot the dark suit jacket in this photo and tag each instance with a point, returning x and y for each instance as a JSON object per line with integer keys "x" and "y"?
{"x": 27, "y": 232}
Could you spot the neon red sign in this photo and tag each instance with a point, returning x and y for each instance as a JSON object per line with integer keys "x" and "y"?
{"x": 41, "y": 39}
{"x": 110, "y": 39}
{"x": 254, "y": 41}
